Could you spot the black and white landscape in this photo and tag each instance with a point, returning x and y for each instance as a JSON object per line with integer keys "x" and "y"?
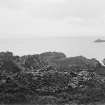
{"x": 52, "y": 52}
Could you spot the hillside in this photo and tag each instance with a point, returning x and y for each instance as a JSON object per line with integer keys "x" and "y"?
{"x": 77, "y": 63}
{"x": 50, "y": 78}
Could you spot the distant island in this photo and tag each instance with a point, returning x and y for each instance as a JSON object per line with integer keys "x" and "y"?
{"x": 99, "y": 41}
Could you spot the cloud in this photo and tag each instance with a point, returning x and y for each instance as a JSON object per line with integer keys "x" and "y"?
{"x": 59, "y": 8}
{"x": 55, "y": 17}
{"x": 17, "y": 22}
{"x": 88, "y": 9}
{"x": 77, "y": 8}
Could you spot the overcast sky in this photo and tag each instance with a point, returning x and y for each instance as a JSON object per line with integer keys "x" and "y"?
{"x": 26, "y": 18}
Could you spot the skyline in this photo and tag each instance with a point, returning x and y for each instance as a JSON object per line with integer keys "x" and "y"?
{"x": 71, "y": 46}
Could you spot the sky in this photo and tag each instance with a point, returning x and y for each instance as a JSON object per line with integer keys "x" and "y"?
{"x": 31, "y": 18}
{"x": 69, "y": 26}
